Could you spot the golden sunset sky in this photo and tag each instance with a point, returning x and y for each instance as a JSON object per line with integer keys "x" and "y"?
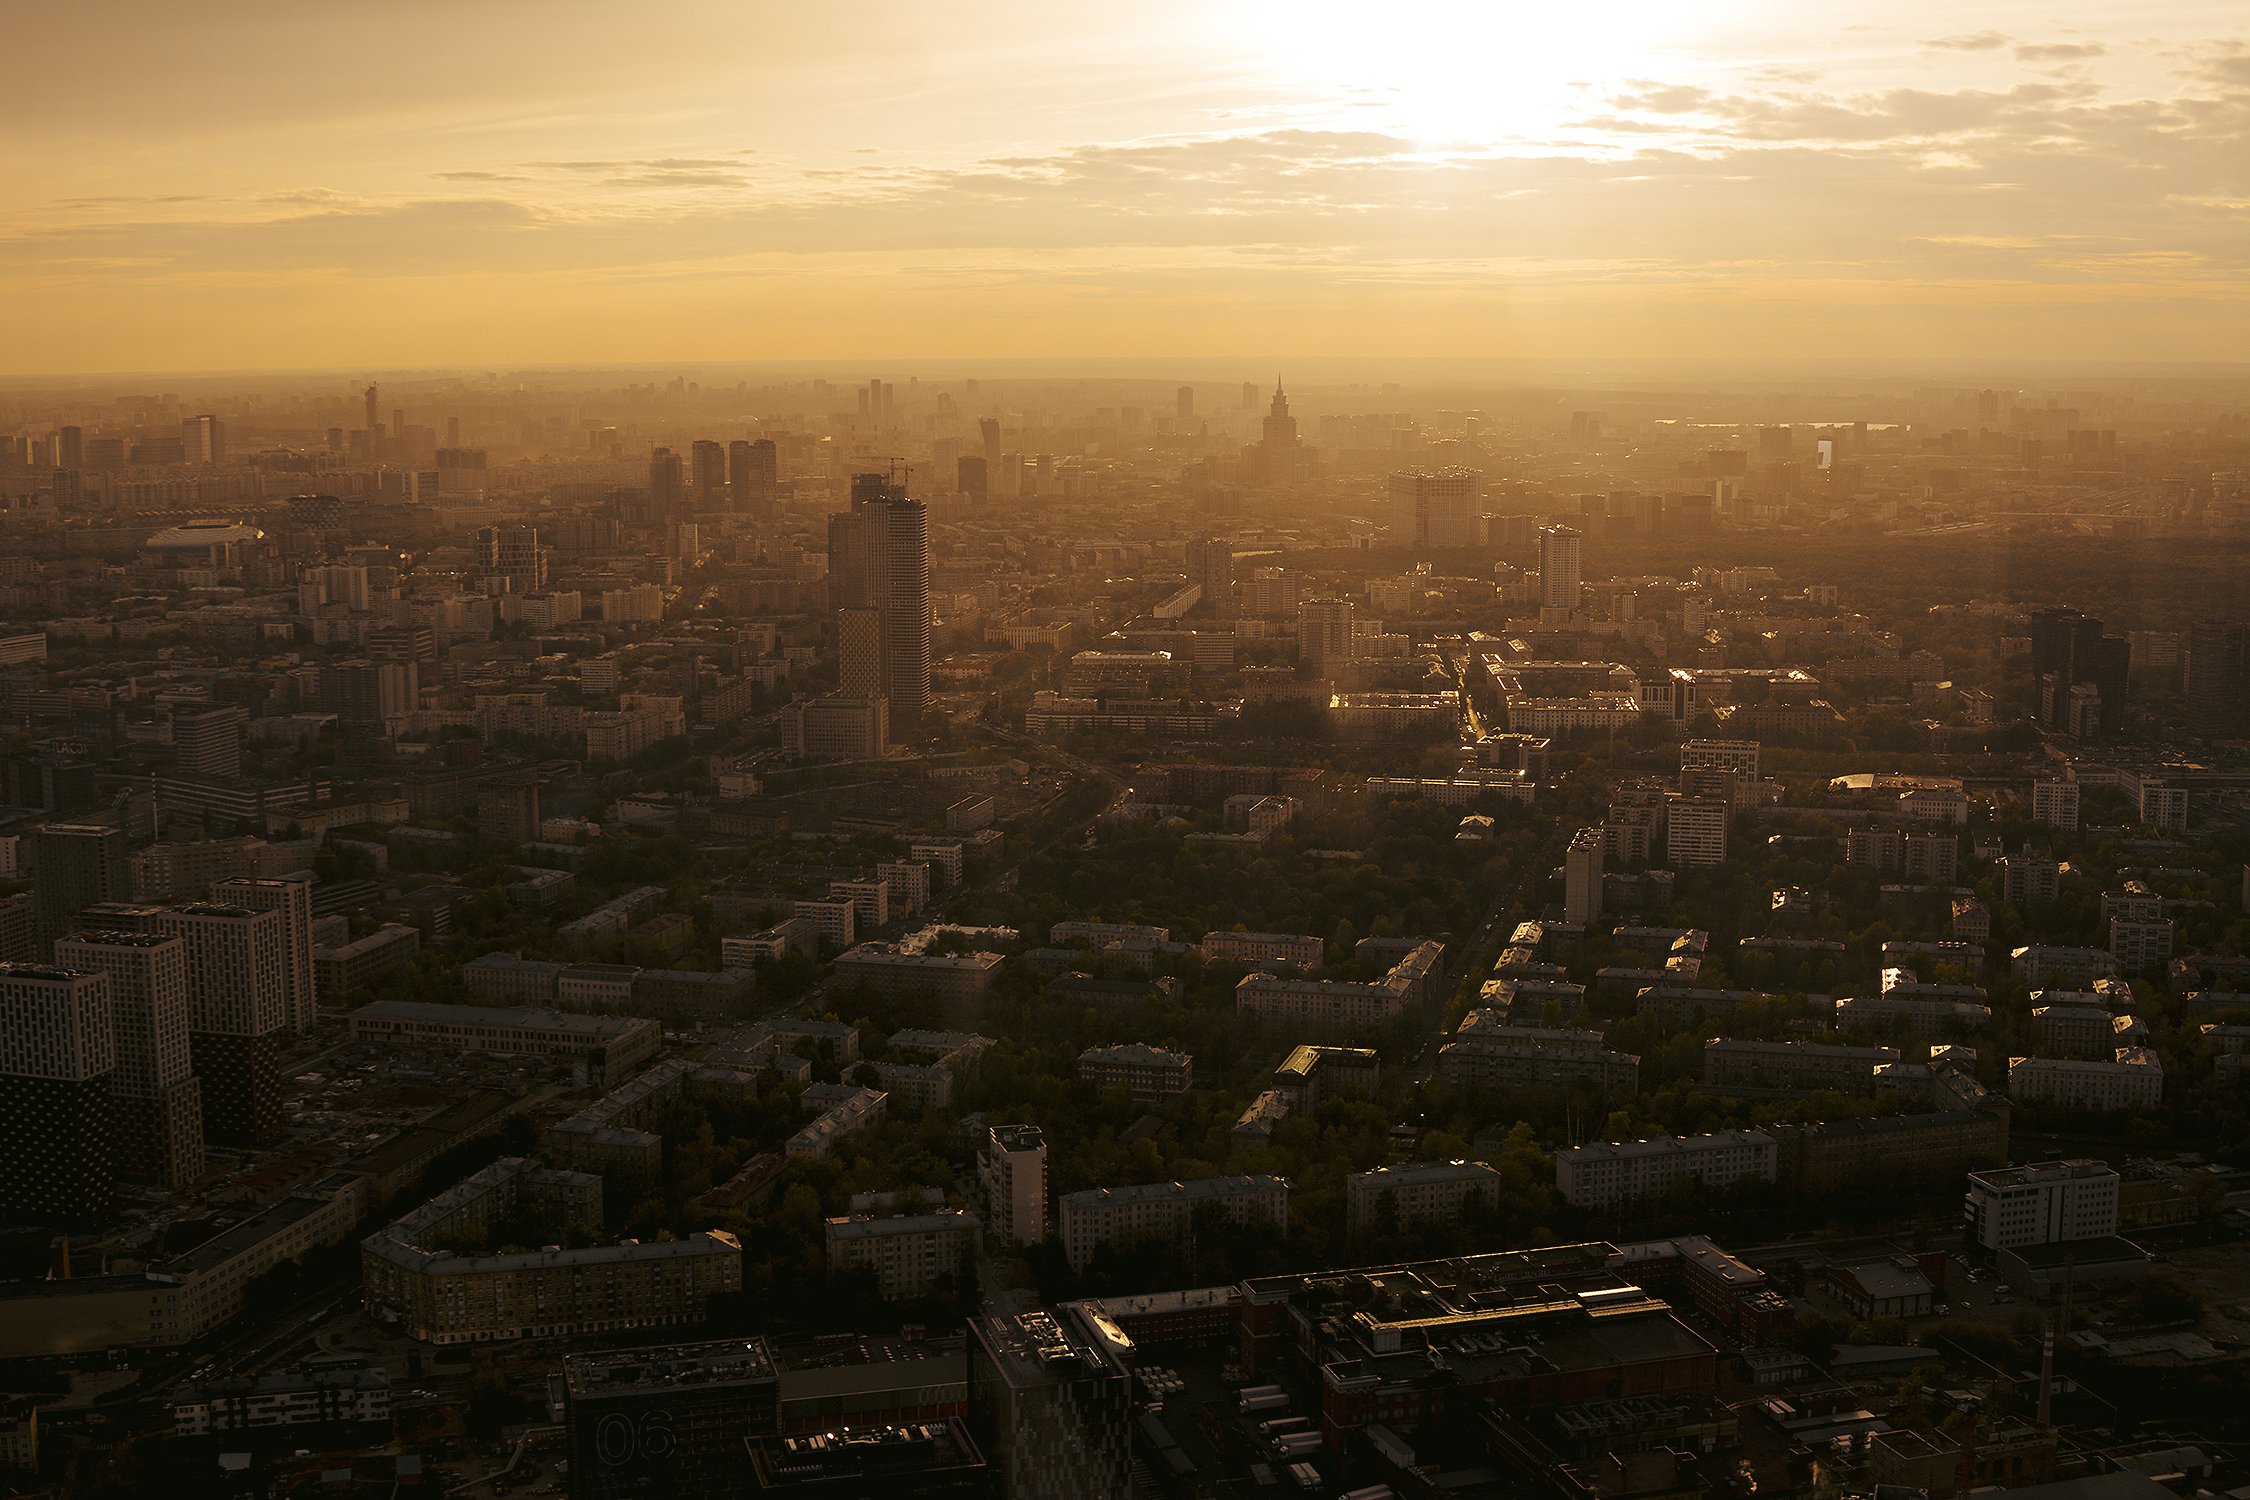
{"x": 253, "y": 184}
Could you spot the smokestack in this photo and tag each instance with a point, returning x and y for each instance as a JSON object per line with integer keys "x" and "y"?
{"x": 2046, "y": 1374}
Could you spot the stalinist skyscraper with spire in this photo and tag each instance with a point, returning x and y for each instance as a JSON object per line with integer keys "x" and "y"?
{"x": 1278, "y": 458}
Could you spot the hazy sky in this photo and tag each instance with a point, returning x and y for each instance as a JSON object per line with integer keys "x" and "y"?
{"x": 256, "y": 183}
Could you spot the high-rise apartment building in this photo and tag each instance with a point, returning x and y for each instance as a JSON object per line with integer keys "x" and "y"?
{"x": 1210, "y": 565}
{"x": 2068, "y": 651}
{"x": 291, "y": 895}
{"x": 207, "y": 741}
{"x": 57, "y": 1050}
{"x": 2055, "y": 804}
{"x": 1695, "y": 832}
{"x": 1271, "y": 593}
{"x": 1560, "y": 561}
{"x": 1013, "y": 1170}
{"x": 158, "y": 1103}
{"x": 859, "y": 652}
{"x": 1325, "y": 632}
{"x": 2218, "y": 652}
{"x": 2029, "y": 880}
{"x": 753, "y": 475}
{"x": 238, "y": 985}
{"x": 971, "y": 476}
{"x": 707, "y": 474}
{"x": 1582, "y": 875}
{"x": 203, "y": 440}
{"x": 367, "y": 695}
{"x": 1738, "y": 758}
{"x": 75, "y": 865}
{"x": 513, "y": 555}
{"x": 667, "y": 482}
{"x": 879, "y": 559}
{"x": 837, "y": 726}
{"x": 2164, "y": 807}
{"x": 19, "y": 929}
{"x": 508, "y": 812}
{"x": 1435, "y": 510}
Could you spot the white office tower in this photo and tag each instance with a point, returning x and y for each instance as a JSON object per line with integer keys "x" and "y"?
{"x": 2052, "y": 1203}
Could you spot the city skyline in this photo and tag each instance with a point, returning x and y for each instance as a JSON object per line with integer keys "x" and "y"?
{"x": 1230, "y": 747}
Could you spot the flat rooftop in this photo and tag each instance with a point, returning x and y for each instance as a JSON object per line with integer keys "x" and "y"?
{"x": 671, "y": 1367}
{"x": 522, "y": 1017}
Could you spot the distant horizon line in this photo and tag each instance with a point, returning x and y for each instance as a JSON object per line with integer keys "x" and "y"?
{"x": 1529, "y": 369}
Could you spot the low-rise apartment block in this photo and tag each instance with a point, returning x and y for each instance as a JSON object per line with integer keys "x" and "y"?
{"x": 1538, "y": 1057}
{"x": 1339, "y": 1005}
{"x": 2068, "y": 1026}
{"x": 505, "y": 977}
{"x": 835, "y": 919}
{"x": 1297, "y": 950}
{"x": 916, "y": 1086}
{"x": 855, "y": 1110}
{"x": 2042, "y": 966}
{"x": 1793, "y": 1067}
{"x": 1608, "y": 1174}
{"x": 958, "y": 981}
{"x": 1924, "y": 1012}
{"x": 1165, "y": 1212}
{"x": 1099, "y": 935}
{"x": 604, "y": 989}
{"x": 381, "y": 955}
{"x": 2139, "y": 943}
{"x": 1837, "y": 1156}
{"x": 908, "y": 1255}
{"x": 870, "y": 898}
{"x": 1148, "y": 1074}
{"x": 1414, "y": 1195}
{"x": 2132, "y": 1079}
{"x": 442, "y": 1297}
{"x": 606, "y": 1046}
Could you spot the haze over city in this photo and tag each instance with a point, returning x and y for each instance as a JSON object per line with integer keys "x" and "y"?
{"x": 1443, "y": 751}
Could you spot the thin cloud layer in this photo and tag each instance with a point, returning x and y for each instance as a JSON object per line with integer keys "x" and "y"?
{"x": 2027, "y": 190}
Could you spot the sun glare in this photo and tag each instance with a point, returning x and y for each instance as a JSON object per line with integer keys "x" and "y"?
{"x": 1453, "y": 72}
